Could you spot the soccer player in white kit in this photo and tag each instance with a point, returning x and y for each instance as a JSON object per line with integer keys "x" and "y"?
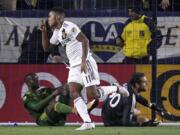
{"x": 83, "y": 71}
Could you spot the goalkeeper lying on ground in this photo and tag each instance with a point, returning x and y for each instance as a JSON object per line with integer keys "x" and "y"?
{"x": 120, "y": 111}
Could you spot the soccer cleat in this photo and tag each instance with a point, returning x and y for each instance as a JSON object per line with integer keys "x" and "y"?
{"x": 122, "y": 90}
{"x": 86, "y": 126}
{"x": 150, "y": 123}
{"x": 90, "y": 106}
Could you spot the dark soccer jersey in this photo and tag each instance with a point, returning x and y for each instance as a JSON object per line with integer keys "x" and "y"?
{"x": 118, "y": 110}
{"x": 112, "y": 111}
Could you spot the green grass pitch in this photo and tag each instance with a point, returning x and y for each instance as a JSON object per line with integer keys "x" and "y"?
{"x": 69, "y": 130}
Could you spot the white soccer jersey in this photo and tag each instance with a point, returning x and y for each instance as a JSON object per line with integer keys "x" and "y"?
{"x": 66, "y": 35}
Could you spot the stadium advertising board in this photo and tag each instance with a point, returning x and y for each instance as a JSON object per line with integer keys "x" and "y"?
{"x": 12, "y": 87}
{"x": 101, "y": 31}
{"x": 167, "y": 95}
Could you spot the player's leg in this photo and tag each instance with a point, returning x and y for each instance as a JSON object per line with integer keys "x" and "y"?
{"x": 53, "y": 117}
{"x": 78, "y": 101}
{"x": 44, "y": 120}
{"x": 61, "y": 103}
{"x": 91, "y": 79}
{"x": 54, "y": 114}
{"x": 81, "y": 107}
{"x": 75, "y": 86}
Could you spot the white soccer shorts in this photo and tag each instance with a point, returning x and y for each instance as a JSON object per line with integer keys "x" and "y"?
{"x": 91, "y": 77}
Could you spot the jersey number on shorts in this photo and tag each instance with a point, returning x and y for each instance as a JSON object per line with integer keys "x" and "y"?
{"x": 90, "y": 77}
{"x": 115, "y": 98}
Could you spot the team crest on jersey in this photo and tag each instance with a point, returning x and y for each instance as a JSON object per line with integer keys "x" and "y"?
{"x": 141, "y": 33}
{"x": 74, "y": 30}
{"x": 64, "y": 34}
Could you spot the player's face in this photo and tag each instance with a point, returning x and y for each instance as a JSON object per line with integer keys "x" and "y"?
{"x": 33, "y": 82}
{"x": 52, "y": 19}
{"x": 143, "y": 86}
{"x": 133, "y": 15}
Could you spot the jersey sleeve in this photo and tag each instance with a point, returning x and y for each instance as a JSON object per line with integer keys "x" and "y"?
{"x": 54, "y": 39}
{"x": 30, "y": 103}
{"x": 74, "y": 30}
{"x": 140, "y": 99}
{"x": 25, "y": 99}
{"x": 123, "y": 33}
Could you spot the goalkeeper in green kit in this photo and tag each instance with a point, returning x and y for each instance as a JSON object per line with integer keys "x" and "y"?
{"x": 47, "y": 106}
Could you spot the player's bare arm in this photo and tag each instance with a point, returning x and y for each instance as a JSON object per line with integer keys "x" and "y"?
{"x": 62, "y": 90}
{"x": 45, "y": 41}
{"x": 85, "y": 45}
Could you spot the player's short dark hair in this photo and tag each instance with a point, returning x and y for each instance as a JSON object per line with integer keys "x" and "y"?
{"x": 58, "y": 10}
{"x": 136, "y": 78}
{"x": 28, "y": 75}
{"x": 136, "y": 6}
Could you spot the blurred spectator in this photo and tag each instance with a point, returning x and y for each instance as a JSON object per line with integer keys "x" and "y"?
{"x": 31, "y": 3}
{"x": 137, "y": 37}
{"x": 164, "y": 4}
{"x": 78, "y": 4}
{"x": 121, "y": 4}
{"x": 38, "y": 4}
{"x": 169, "y": 5}
{"x": 8, "y": 4}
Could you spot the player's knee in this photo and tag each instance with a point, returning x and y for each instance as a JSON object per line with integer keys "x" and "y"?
{"x": 74, "y": 90}
{"x": 92, "y": 92}
{"x": 94, "y": 95}
{"x": 74, "y": 95}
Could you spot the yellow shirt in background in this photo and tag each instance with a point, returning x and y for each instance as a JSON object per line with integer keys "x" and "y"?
{"x": 136, "y": 36}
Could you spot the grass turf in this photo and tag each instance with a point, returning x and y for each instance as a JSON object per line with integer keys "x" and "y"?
{"x": 69, "y": 130}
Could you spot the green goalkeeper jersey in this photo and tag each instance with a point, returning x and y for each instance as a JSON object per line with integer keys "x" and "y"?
{"x": 36, "y": 102}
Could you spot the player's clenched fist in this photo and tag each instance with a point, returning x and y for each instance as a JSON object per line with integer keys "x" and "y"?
{"x": 42, "y": 26}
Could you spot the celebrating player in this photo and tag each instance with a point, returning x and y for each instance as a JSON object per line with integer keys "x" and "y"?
{"x": 83, "y": 71}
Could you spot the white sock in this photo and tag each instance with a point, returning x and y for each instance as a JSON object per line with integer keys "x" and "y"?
{"x": 82, "y": 109}
{"x": 106, "y": 90}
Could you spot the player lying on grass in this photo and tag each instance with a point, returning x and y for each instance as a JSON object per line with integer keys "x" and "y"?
{"x": 47, "y": 106}
{"x": 120, "y": 111}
